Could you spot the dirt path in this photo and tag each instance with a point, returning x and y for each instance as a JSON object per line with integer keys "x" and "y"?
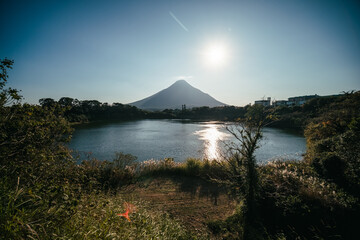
{"x": 192, "y": 201}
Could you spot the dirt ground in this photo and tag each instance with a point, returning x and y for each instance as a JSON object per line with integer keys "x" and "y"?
{"x": 191, "y": 201}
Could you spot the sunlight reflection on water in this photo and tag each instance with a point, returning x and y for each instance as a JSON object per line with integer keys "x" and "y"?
{"x": 158, "y": 139}
{"x": 212, "y": 137}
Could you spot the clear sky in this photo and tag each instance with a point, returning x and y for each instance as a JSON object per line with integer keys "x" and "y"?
{"x": 237, "y": 51}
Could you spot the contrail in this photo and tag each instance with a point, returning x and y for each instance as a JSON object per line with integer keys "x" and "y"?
{"x": 178, "y": 21}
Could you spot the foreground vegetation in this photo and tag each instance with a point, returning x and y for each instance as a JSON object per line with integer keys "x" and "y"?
{"x": 45, "y": 195}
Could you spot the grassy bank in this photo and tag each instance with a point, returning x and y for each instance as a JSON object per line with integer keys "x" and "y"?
{"x": 175, "y": 201}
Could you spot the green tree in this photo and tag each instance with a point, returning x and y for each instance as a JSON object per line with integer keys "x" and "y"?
{"x": 47, "y": 102}
{"x": 241, "y": 163}
{"x": 66, "y": 101}
{"x": 8, "y": 96}
{"x": 31, "y": 137}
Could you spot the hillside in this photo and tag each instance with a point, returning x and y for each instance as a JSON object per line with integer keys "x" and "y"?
{"x": 175, "y": 96}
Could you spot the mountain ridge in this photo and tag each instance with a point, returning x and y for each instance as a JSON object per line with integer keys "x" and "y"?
{"x": 178, "y": 94}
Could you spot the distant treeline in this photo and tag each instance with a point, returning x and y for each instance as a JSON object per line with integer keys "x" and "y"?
{"x": 93, "y": 110}
{"x": 292, "y": 117}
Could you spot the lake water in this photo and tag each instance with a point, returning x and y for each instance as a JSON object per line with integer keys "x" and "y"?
{"x": 178, "y": 139}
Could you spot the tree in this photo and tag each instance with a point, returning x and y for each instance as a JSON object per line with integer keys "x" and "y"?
{"x": 47, "y": 102}
{"x": 66, "y": 101}
{"x": 31, "y": 136}
{"x": 7, "y": 96}
{"x": 240, "y": 162}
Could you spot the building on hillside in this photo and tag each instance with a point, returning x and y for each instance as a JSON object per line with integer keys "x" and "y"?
{"x": 265, "y": 103}
{"x": 298, "y": 101}
{"x": 292, "y": 101}
{"x": 280, "y": 103}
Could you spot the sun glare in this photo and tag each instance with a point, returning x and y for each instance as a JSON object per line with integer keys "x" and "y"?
{"x": 215, "y": 54}
{"x": 212, "y": 137}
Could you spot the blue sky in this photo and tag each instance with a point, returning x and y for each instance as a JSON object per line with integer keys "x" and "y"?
{"x": 123, "y": 51}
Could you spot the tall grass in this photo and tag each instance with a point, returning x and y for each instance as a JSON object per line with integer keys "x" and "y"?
{"x": 34, "y": 213}
{"x": 124, "y": 170}
{"x": 96, "y": 218}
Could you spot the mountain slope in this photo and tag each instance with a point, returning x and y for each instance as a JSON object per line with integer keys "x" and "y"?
{"x": 175, "y": 96}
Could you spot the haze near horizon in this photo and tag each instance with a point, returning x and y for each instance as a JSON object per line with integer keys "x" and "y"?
{"x": 236, "y": 51}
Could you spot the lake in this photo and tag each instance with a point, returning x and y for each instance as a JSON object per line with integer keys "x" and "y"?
{"x": 178, "y": 139}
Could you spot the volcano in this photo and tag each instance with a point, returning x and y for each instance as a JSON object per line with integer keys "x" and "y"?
{"x": 174, "y": 97}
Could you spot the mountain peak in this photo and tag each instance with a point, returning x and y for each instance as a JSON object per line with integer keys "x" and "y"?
{"x": 181, "y": 82}
{"x": 178, "y": 94}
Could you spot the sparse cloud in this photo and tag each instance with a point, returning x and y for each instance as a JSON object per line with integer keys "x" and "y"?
{"x": 178, "y": 21}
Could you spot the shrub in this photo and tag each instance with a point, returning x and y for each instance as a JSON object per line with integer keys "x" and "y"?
{"x": 121, "y": 160}
{"x": 331, "y": 166}
{"x": 333, "y": 142}
{"x": 105, "y": 175}
{"x": 193, "y": 166}
{"x": 295, "y": 202}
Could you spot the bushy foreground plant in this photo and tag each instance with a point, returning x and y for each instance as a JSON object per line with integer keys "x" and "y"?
{"x": 108, "y": 175}
{"x": 293, "y": 202}
{"x": 35, "y": 166}
{"x": 297, "y": 203}
{"x": 333, "y": 143}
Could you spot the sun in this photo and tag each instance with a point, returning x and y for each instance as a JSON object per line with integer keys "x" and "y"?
{"x": 215, "y": 54}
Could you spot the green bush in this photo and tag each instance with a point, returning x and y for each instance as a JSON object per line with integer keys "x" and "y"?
{"x": 333, "y": 142}
{"x": 331, "y": 166}
{"x": 296, "y": 203}
{"x": 193, "y": 166}
{"x": 105, "y": 175}
{"x": 122, "y": 161}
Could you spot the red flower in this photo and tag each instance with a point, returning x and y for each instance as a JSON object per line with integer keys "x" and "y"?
{"x": 129, "y": 208}
{"x": 125, "y": 215}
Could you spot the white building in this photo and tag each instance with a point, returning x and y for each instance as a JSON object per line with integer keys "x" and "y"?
{"x": 298, "y": 101}
{"x": 292, "y": 101}
{"x": 265, "y": 103}
{"x": 280, "y": 103}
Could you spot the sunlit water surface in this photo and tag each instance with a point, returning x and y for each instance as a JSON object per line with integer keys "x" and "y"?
{"x": 158, "y": 139}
